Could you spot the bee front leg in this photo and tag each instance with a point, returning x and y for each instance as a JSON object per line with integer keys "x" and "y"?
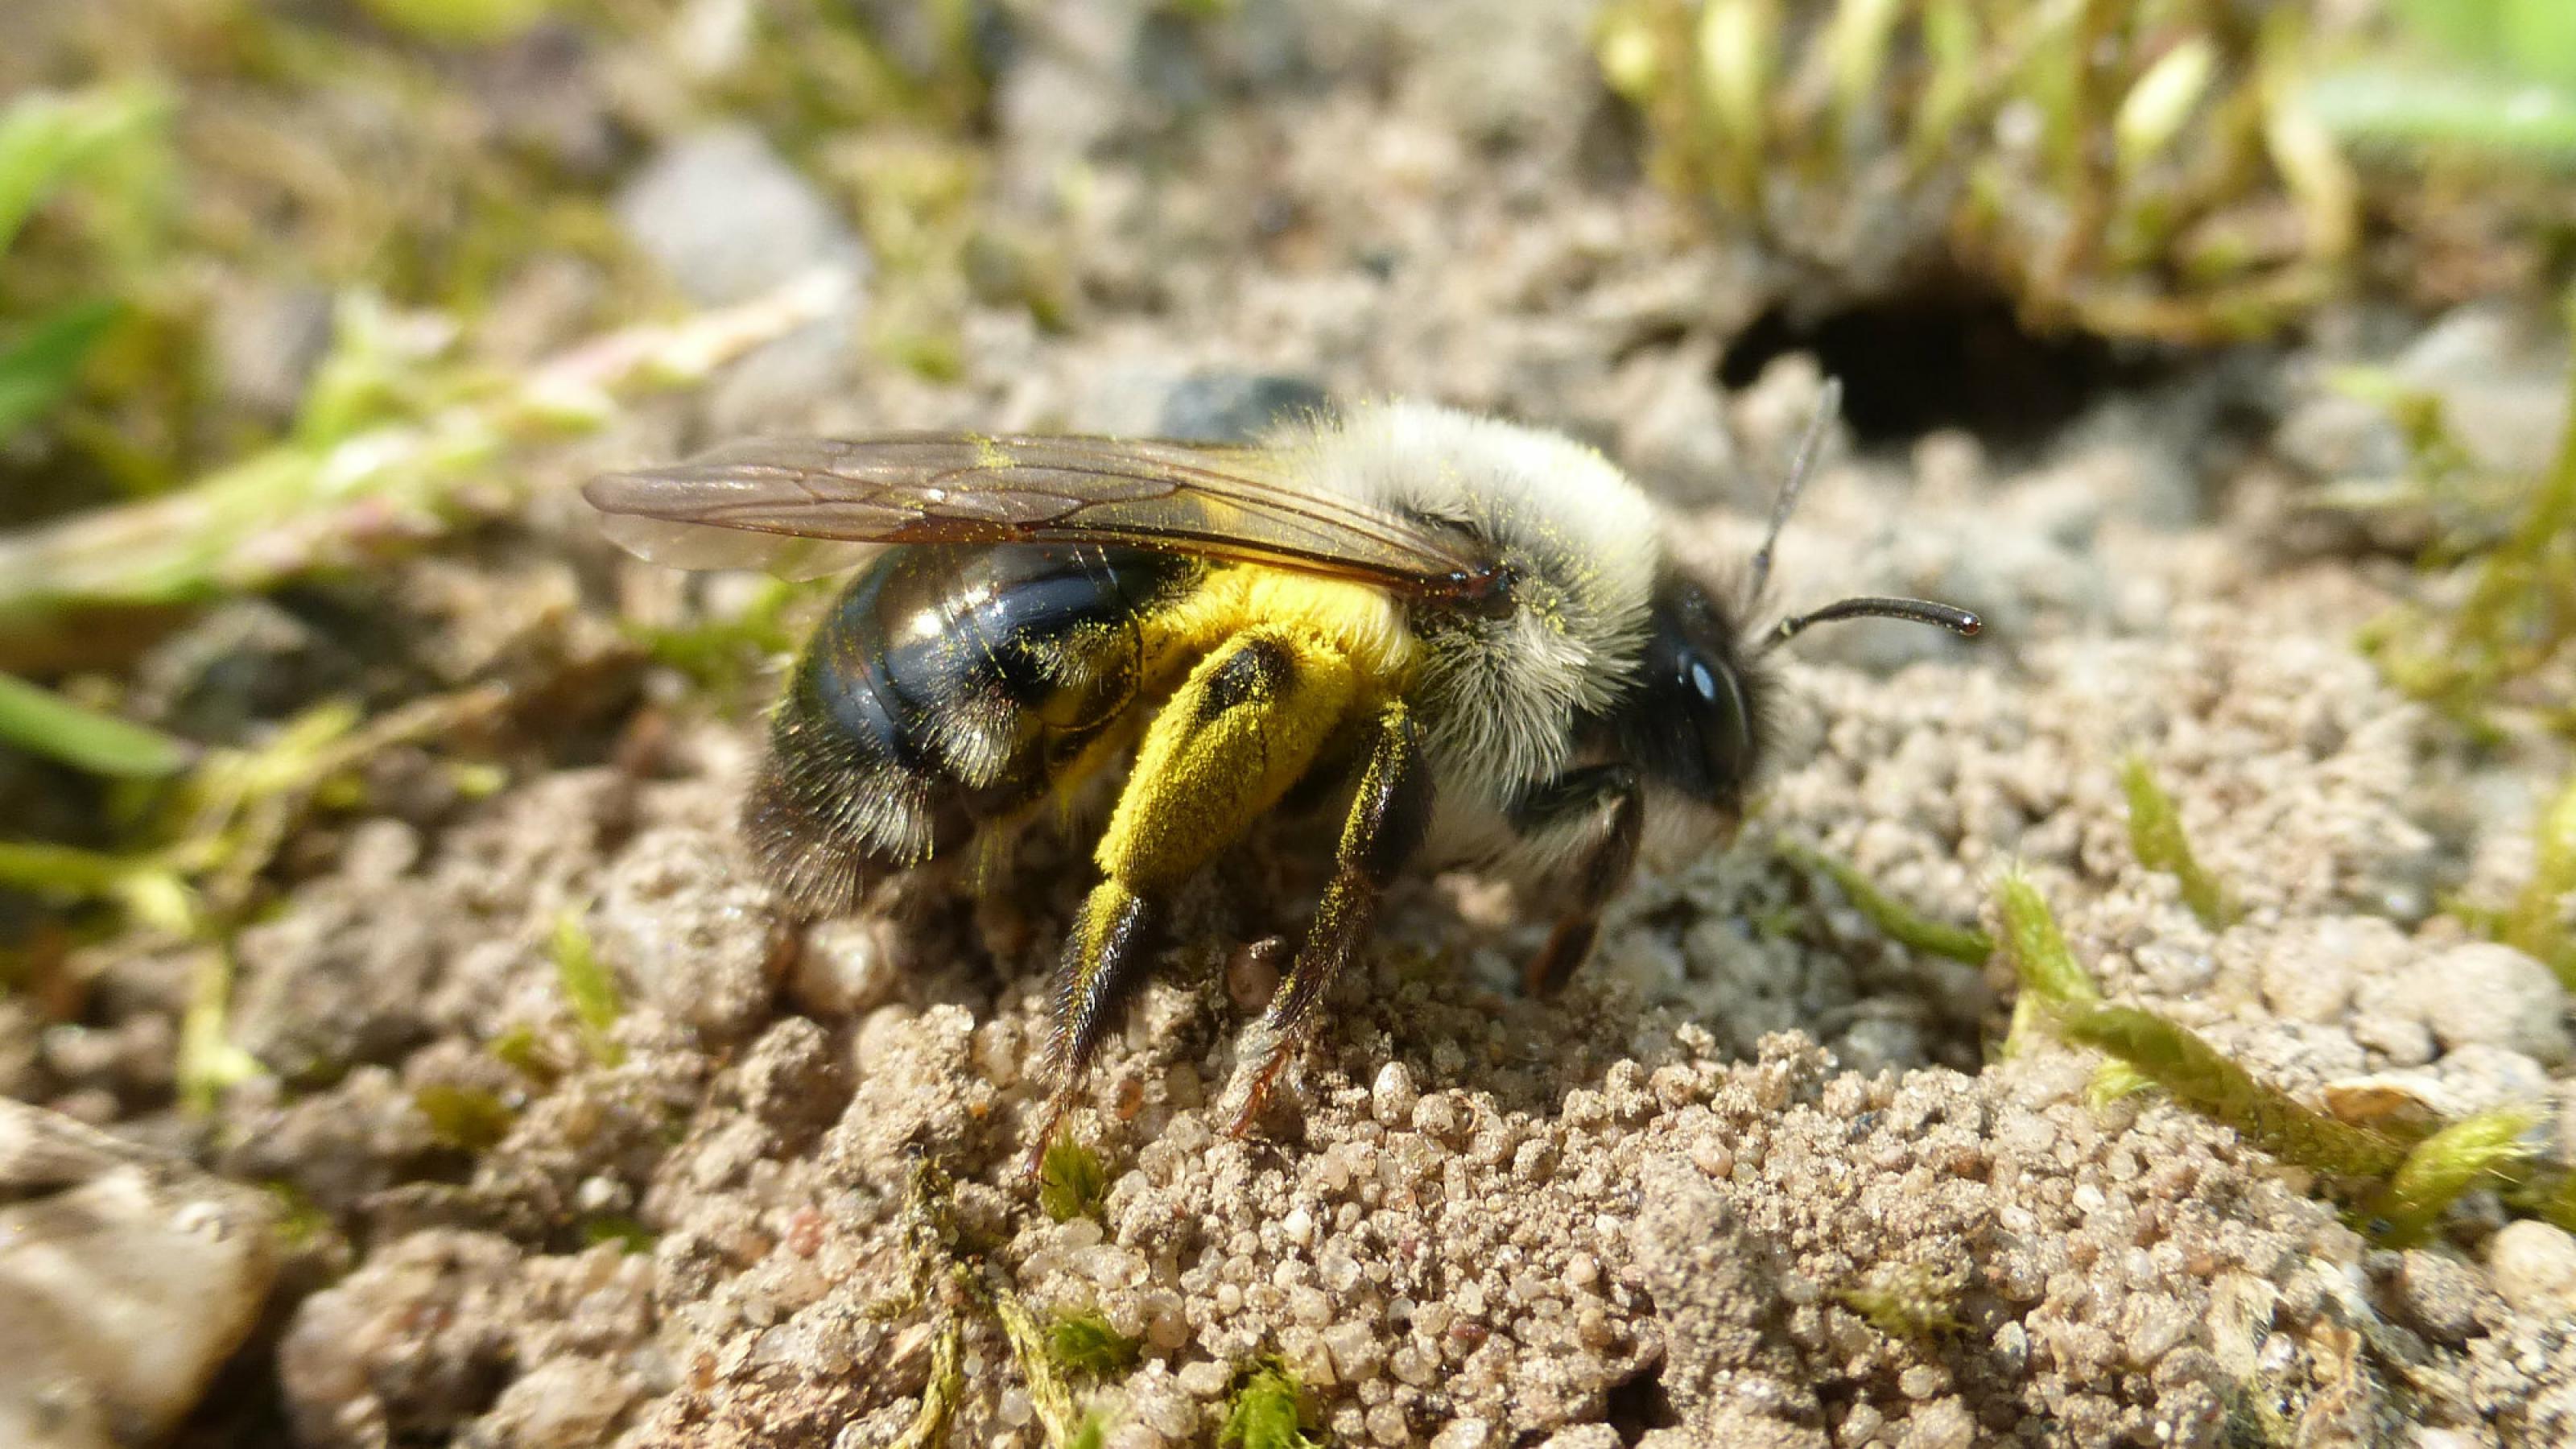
{"x": 1603, "y": 809}
{"x": 1390, "y": 812}
{"x": 1242, "y": 729}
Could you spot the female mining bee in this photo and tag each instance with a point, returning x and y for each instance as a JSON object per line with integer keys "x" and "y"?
{"x": 1467, "y": 634}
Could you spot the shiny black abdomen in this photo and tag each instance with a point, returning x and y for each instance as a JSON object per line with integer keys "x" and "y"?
{"x": 946, "y": 687}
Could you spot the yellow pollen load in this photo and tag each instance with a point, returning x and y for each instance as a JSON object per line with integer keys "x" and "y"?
{"x": 1356, "y": 621}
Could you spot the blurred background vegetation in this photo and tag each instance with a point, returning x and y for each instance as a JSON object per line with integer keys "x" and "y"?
{"x": 288, "y": 290}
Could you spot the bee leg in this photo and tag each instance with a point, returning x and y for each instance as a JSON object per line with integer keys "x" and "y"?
{"x": 1605, "y": 804}
{"x": 1389, "y": 815}
{"x": 1242, "y": 729}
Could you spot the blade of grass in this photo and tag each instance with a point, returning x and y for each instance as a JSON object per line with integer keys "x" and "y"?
{"x": 40, "y": 364}
{"x": 45, "y": 723}
{"x": 47, "y": 137}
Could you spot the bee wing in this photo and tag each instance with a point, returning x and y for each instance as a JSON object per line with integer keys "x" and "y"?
{"x": 706, "y": 546}
{"x": 777, "y": 496}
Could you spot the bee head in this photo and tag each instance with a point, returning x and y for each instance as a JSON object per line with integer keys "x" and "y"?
{"x": 1695, "y": 721}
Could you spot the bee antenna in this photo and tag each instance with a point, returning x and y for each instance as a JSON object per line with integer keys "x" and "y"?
{"x": 1920, "y": 611}
{"x": 1829, "y": 402}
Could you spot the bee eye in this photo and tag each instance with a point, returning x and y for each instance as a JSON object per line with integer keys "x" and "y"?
{"x": 1692, "y": 723}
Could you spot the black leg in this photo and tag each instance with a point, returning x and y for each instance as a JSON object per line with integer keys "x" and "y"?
{"x": 1604, "y": 808}
{"x": 1390, "y": 813}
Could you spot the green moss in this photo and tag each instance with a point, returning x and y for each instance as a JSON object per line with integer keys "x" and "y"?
{"x": 1264, "y": 1413}
{"x": 151, "y": 892}
{"x": 1084, "y": 1343}
{"x": 1033, "y": 1350}
{"x": 1912, "y": 1301}
{"x": 629, "y": 1234}
{"x": 2410, "y": 108}
{"x": 2551, "y": 1197}
{"x": 300, "y": 1220}
{"x": 2403, "y": 1182}
{"x": 2496, "y": 77}
{"x": 2536, "y": 923}
{"x": 2156, "y": 837}
{"x": 2168, "y": 191}
{"x": 365, "y": 466}
{"x": 519, "y": 1049}
{"x": 462, "y": 22}
{"x": 2115, "y": 1081}
{"x": 728, "y": 658}
{"x": 1071, "y": 1181}
{"x": 466, "y": 1118}
{"x": 2202, "y": 1079}
{"x": 208, "y": 1062}
{"x": 2049, "y": 976}
{"x": 588, "y": 989}
{"x": 1898, "y": 921}
{"x": 2517, "y": 619}
{"x": 2489, "y": 1149}
{"x": 940, "y": 1396}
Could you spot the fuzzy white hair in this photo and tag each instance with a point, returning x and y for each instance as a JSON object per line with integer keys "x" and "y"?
{"x": 1499, "y": 698}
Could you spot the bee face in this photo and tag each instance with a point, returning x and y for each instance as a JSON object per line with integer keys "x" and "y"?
{"x": 1694, "y": 723}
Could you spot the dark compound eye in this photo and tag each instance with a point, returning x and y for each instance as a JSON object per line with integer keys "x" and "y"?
{"x": 1690, "y": 726}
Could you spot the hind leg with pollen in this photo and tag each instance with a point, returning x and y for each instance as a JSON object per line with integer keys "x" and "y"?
{"x": 1243, "y": 728}
{"x": 1390, "y": 812}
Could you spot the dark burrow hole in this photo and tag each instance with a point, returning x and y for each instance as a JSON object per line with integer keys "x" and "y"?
{"x": 1638, "y": 1403}
{"x": 1947, "y": 353}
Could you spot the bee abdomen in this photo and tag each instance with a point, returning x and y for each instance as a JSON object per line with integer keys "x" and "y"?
{"x": 947, "y": 687}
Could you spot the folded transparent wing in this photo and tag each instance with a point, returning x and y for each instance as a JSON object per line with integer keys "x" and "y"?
{"x": 804, "y": 505}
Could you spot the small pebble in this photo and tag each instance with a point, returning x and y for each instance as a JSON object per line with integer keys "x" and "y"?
{"x": 2483, "y": 994}
{"x": 1391, "y": 1097}
{"x": 2533, "y": 1267}
{"x": 1942, "y": 1424}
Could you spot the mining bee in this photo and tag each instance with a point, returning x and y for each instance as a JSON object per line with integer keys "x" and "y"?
{"x": 1466, "y": 634}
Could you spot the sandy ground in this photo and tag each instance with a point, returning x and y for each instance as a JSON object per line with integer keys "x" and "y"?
{"x": 1641, "y": 1214}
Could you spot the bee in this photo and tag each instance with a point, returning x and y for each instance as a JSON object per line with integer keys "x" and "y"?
{"x": 1465, "y": 635}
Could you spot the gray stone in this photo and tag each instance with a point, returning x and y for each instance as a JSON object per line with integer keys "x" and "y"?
{"x": 265, "y": 341}
{"x": 126, "y": 1280}
{"x": 2483, "y": 994}
{"x": 729, "y": 220}
{"x": 2533, "y": 1267}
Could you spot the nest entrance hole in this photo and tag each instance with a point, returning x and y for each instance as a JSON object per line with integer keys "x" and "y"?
{"x": 1950, "y": 352}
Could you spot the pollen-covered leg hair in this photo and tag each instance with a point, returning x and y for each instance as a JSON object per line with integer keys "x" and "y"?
{"x": 1389, "y": 815}
{"x": 1241, "y": 730}
{"x": 1602, "y": 808}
